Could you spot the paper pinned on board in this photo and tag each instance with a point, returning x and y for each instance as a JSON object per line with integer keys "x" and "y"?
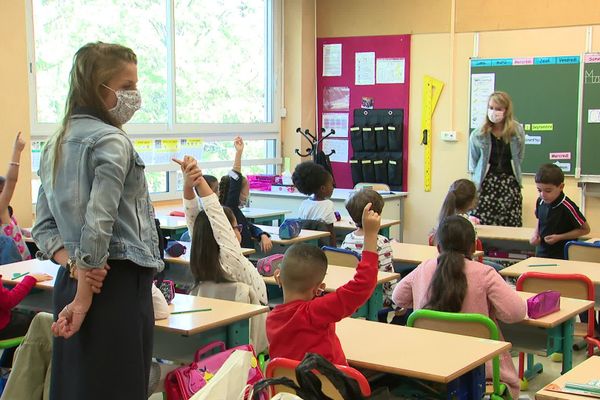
{"x": 332, "y": 59}
{"x": 364, "y": 71}
{"x": 390, "y": 70}
{"x": 337, "y": 122}
{"x": 340, "y": 147}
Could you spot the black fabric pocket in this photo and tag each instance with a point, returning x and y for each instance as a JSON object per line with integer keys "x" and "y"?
{"x": 356, "y": 139}
{"x": 369, "y": 143}
{"x": 394, "y": 137}
{"x": 381, "y": 173}
{"x": 394, "y": 172}
{"x": 356, "y": 170}
{"x": 368, "y": 171}
{"x": 381, "y": 138}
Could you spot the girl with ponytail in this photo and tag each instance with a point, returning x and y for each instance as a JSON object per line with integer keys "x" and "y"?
{"x": 455, "y": 283}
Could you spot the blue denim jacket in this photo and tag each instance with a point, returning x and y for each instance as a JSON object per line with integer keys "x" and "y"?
{"x": 98, "y": 207}
{"x": 480, "y": 149}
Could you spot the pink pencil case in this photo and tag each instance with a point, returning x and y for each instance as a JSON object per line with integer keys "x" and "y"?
{"x": 543, "y": 303}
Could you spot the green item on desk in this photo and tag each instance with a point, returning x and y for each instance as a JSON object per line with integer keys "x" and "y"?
{"x": 191, "y": 311}
{"x": 543, "y": 265}
{"x": 16, "y": 275}
{"x": 595, "y": 389}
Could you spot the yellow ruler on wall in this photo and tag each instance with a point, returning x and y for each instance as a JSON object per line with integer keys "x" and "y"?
{"x": 432, "y": 88}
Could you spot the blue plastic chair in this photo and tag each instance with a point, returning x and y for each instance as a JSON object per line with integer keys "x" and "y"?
{"x": 582, "y": 251}
{"x": 185, "y": 237}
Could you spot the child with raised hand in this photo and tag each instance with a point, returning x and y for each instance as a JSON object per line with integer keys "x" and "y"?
{"x": 314, "y": 181}
{"x": 305, "y": 322}
{"x": 9, "y": 226}
{"x": 455, "y": 283}
{"x": 355, "y": 240}
{"x": 216, "y": 254}
{"x": 234, "y": 191}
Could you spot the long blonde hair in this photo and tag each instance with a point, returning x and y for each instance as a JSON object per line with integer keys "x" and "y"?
{"x": 93, "y": 65}
{"x": 509, "y": 129}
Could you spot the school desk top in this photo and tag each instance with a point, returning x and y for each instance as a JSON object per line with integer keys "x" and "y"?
{"x": 184, "y": 259}
{"x": 516, "y": 234}
{"x": 593, "y": 240}
{"x": 417, "y": 253}
{"x": 586, "y": 371}
{"x": 418, "y": 353}
{"x": 31, "y": 266}
{"x": 169, "y": 222}
{"x": 590, "y": 269}
{"x": 249, "y": 212}
{"x": 347, "y": 224}
{"x": 569, "y": 308}
{"x": 305, "y": 235}
{"x": 338, "y": 276}
{"x": 222, "y": 313}
{"x": 338, "y": 194}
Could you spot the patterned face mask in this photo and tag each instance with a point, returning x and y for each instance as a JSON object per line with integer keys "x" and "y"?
{"x": 128, "y": 102}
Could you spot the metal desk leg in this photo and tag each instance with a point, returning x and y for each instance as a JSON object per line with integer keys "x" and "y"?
{"x": 469, "y": 386}
{"x": 375, "y": 303}
{"x": 568, "y": 328}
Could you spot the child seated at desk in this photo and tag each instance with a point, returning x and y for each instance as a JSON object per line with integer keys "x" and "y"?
{"x": 305, "y": 322}
{"x": 355, "y": 240}
{"x": 216, "y": 254}
{"x": 314, "y": 181}
{"x": 559, "y": 218}
{"x": 455, "y": 283}
{"x": 234, "y": 191}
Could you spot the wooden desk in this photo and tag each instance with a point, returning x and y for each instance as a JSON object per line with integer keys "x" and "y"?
{"x": 176, "y": 337}
{"x": 179, "y": 336}
{"x": 593, "y": 240}
{"x": 172, "y": 226}
{"x": 184, "y": 259}
{"x": 557, "y": 332}
{"x": 306, "y": 235}
{"x": 455, "y": 360}
{"x": 417, "y": 253}
{"x": 583, "y": 373}
{"x": 263, "y": 215}
{"x": 346, "y": 224}
{"x": 393, "y": 209}
{"x": 338, "y": 276}
{"x": 589, "y": 269}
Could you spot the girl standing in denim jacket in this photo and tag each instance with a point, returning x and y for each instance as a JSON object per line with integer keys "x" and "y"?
{"x": 94, "y": 218}
{"x": 496, "y": 151}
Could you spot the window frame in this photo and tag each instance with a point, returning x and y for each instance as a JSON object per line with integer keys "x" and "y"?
{"x": 172, "y": 129}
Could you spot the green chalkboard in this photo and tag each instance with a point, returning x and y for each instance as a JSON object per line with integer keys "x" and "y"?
{"x": 590, "y": 116}
{"x": 545, "y": 93}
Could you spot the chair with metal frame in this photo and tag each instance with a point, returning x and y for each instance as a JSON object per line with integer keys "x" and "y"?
{"x": 286, "y": 367}
{"x": 342, "y": 257}
{"x": 476, "y": 325}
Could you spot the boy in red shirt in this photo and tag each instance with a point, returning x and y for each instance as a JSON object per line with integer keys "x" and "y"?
{"x": 305, "y": 322}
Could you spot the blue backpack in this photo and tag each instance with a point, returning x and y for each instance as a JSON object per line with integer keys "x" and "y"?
{"x": 290, "y": 228}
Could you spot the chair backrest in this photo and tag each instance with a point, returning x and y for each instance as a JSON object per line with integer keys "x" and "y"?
{"x": 232, "y": 291}
{"x": 185, "y": 237}
{"x": 279, "y": 367}
{"x": 576, "y": 286}
{"x": 316, "y": 225}
{"x": 582, "y": 251}
{"x": 374, "y": 186}
{"x": 342, "y": 257}
{"x": 476, "y": 325}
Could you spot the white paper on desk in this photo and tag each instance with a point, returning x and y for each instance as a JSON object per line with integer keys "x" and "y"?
{"x": 332, "y": 59}
{"x": 482, "y": 85}
{"x": 390, "y": 70}
{"x": 340, "y": 147}
{"x": 593, "y": 116}
{"x": 336, "y": 121}
{"x": 364, "y": 68}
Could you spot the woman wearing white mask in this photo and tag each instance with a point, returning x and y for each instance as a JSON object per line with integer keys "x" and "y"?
{"x": 496, "y": 151}
{"x": 95, "y": 219}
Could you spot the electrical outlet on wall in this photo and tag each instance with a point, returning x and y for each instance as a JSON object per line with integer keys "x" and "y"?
{"x": 449, "y": 136}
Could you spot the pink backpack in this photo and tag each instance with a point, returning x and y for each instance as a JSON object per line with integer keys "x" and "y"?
{"x": 267, "y": 266}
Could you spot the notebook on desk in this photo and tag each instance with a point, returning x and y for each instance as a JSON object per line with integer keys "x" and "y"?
{"x": 589, "y": 389}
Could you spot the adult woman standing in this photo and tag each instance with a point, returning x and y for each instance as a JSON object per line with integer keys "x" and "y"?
{"x": 496, "y": 152}
{"x": 94, "y": 211}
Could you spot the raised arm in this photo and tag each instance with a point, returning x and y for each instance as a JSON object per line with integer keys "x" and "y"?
{"x": 12, "y": 175}
{"x": 238, "y": 144}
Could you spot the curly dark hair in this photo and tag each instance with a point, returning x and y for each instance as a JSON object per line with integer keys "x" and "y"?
{"x": 308, "y": 177}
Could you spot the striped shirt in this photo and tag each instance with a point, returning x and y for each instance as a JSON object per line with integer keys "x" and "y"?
{"x": 384, "y": 250}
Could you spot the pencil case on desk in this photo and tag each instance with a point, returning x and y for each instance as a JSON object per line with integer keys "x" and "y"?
{"x": 543, "y": 303}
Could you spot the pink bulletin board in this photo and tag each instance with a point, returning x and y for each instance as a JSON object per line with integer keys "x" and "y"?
{"x": 384, "y": 95}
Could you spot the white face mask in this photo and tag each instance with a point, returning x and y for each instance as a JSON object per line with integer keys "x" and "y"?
{"x": 128, "y": 102}
{"x": 495, "y": 116}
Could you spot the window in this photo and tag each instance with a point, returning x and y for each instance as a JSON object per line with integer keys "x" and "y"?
{"x": 207, "y": 73}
